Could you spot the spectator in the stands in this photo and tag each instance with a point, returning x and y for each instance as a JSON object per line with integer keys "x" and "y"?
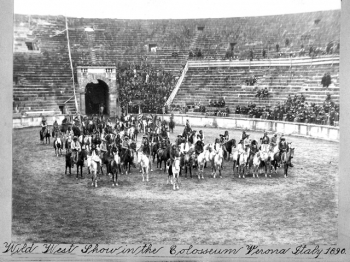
{"x": 258, "y": 93}
{"x": 251, "y": 54}
{"x": 326, "y": 80}
{"x": 277, "y": 48}
{"x": 265, "y": 93}
{"x": 221, "y": 102}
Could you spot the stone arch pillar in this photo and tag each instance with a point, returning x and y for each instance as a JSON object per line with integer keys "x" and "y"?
{"x": 88, "y": 74}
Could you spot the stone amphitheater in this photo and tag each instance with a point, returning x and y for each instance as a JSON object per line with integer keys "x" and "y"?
{"x": 43, "y": 74}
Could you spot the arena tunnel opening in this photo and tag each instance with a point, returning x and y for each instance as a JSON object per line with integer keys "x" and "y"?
{"x": 96, "y": 95}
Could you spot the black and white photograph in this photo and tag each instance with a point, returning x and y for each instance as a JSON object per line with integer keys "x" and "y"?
{"x": 176, "y": 122}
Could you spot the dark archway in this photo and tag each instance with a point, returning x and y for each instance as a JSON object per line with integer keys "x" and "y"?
{"x": 95, "y": 95}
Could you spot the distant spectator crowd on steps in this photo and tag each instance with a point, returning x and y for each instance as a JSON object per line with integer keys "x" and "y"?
{"x": 144, "y": 85}
{"x": 261, "y": 53}
{"x": 294, "y": 109}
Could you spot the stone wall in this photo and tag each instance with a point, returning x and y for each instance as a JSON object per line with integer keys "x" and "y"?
{"x": 330, "y": 133}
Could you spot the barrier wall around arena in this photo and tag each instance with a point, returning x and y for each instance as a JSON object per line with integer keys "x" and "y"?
{"x": 330, "y": 133}
{"x": 28, "y": 121}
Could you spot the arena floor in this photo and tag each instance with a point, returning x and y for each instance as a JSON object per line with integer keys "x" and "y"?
{"x": 49, "y": 206}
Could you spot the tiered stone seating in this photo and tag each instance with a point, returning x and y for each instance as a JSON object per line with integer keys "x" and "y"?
{"x": 202, "y": 84}
{"x": 261, "y": 32}
{"x": 43, "y": 77}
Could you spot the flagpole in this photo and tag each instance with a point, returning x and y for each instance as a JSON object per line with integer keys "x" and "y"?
{"x": 71, "y": 66}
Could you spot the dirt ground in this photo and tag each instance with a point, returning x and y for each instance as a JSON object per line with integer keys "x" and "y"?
{"x": 49, "y": 206}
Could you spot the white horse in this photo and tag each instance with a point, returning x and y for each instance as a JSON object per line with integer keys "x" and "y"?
{"x": 217, "y": 162}
{"x": 122, "y": 134}
{"x": 272, "y": 151}
{"x": 87, "y": 143}
{"x": 144, "y": 162}
{"x": 176, "y": 172}
{"x": 264, "y": 157}
{"x": 243, "y": 162}
{"x": 57, "y": 144}
{"x": 131, "y": 132}
{"x": 115, "y": 168}
{"x": 185, "y": 147}
{"x": 256, "y": 164}
{"x": 93, "y": 167}
{"x": 201, "y": 160}
{"x": 235, "y": 155}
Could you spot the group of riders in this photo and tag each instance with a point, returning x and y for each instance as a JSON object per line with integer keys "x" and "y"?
{"x": 100, "y": 138}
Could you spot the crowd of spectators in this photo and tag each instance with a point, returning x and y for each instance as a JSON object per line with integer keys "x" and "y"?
{"x": 217, "y": 103}
{"x": 295, "y": 109}
{"x": 262, "y": 93}
{"x": 145, "y": 84}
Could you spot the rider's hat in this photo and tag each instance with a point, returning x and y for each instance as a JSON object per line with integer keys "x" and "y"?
{"x": 126, "y": 137}
{"x": 75, "y": 137}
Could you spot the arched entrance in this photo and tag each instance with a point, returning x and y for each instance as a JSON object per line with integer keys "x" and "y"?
{"x": 96, "y": 94}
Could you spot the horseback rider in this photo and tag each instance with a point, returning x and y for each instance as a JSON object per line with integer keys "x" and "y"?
{"x": 188, "y": 128}
{"x": 265, "y": 140}
{"x": 226, "y": 137}
{"x": 173, "y": 153}
{"x": 254, "y": 147}
{"x": 145, "y": 147}
{"x": 43, "y": 124}
{"x": 125, "y": 143}
{"x": 55, "y": 128}
{"x": 240, "y": 147}
{"x": 283, "y": 147}
{"x": 103, "y": 146}
{"x": 244, "y": 135}
{"x": 198, "y": 148}
{"x": 95, "y": 156}
{"x": 75, "y": 146}
{"x": 246, "y": 141}
{"x": 217, "y": 144}
{"x": 178, "y": 140}
{"x": 200, "y": 135}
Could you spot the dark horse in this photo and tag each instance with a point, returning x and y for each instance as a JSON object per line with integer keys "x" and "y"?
{"x": 115, "y": 168}
{"x": 45, "y": 133}
{"x": 154, "y": 150}
{"x": 163, "y": 154}
{"x": 127, "y": 159}
{"x": 186, "y": 162}
{"x": 284, "y": 159}
{"x": 80, "y": 162}
{"x": 106, "y": 160}
{"x": 227, "y": 146}
{"x": 68, "y": 162}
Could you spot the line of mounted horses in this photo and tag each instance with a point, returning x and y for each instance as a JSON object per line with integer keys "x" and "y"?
{"x": 190, "y": 154}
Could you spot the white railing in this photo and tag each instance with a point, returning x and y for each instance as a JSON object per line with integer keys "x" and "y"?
{"x": 178, "y": 84}
{"x": 268, "y": 62}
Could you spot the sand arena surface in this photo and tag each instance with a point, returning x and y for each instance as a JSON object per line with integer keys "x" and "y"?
{"x": 49, "y": 206}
